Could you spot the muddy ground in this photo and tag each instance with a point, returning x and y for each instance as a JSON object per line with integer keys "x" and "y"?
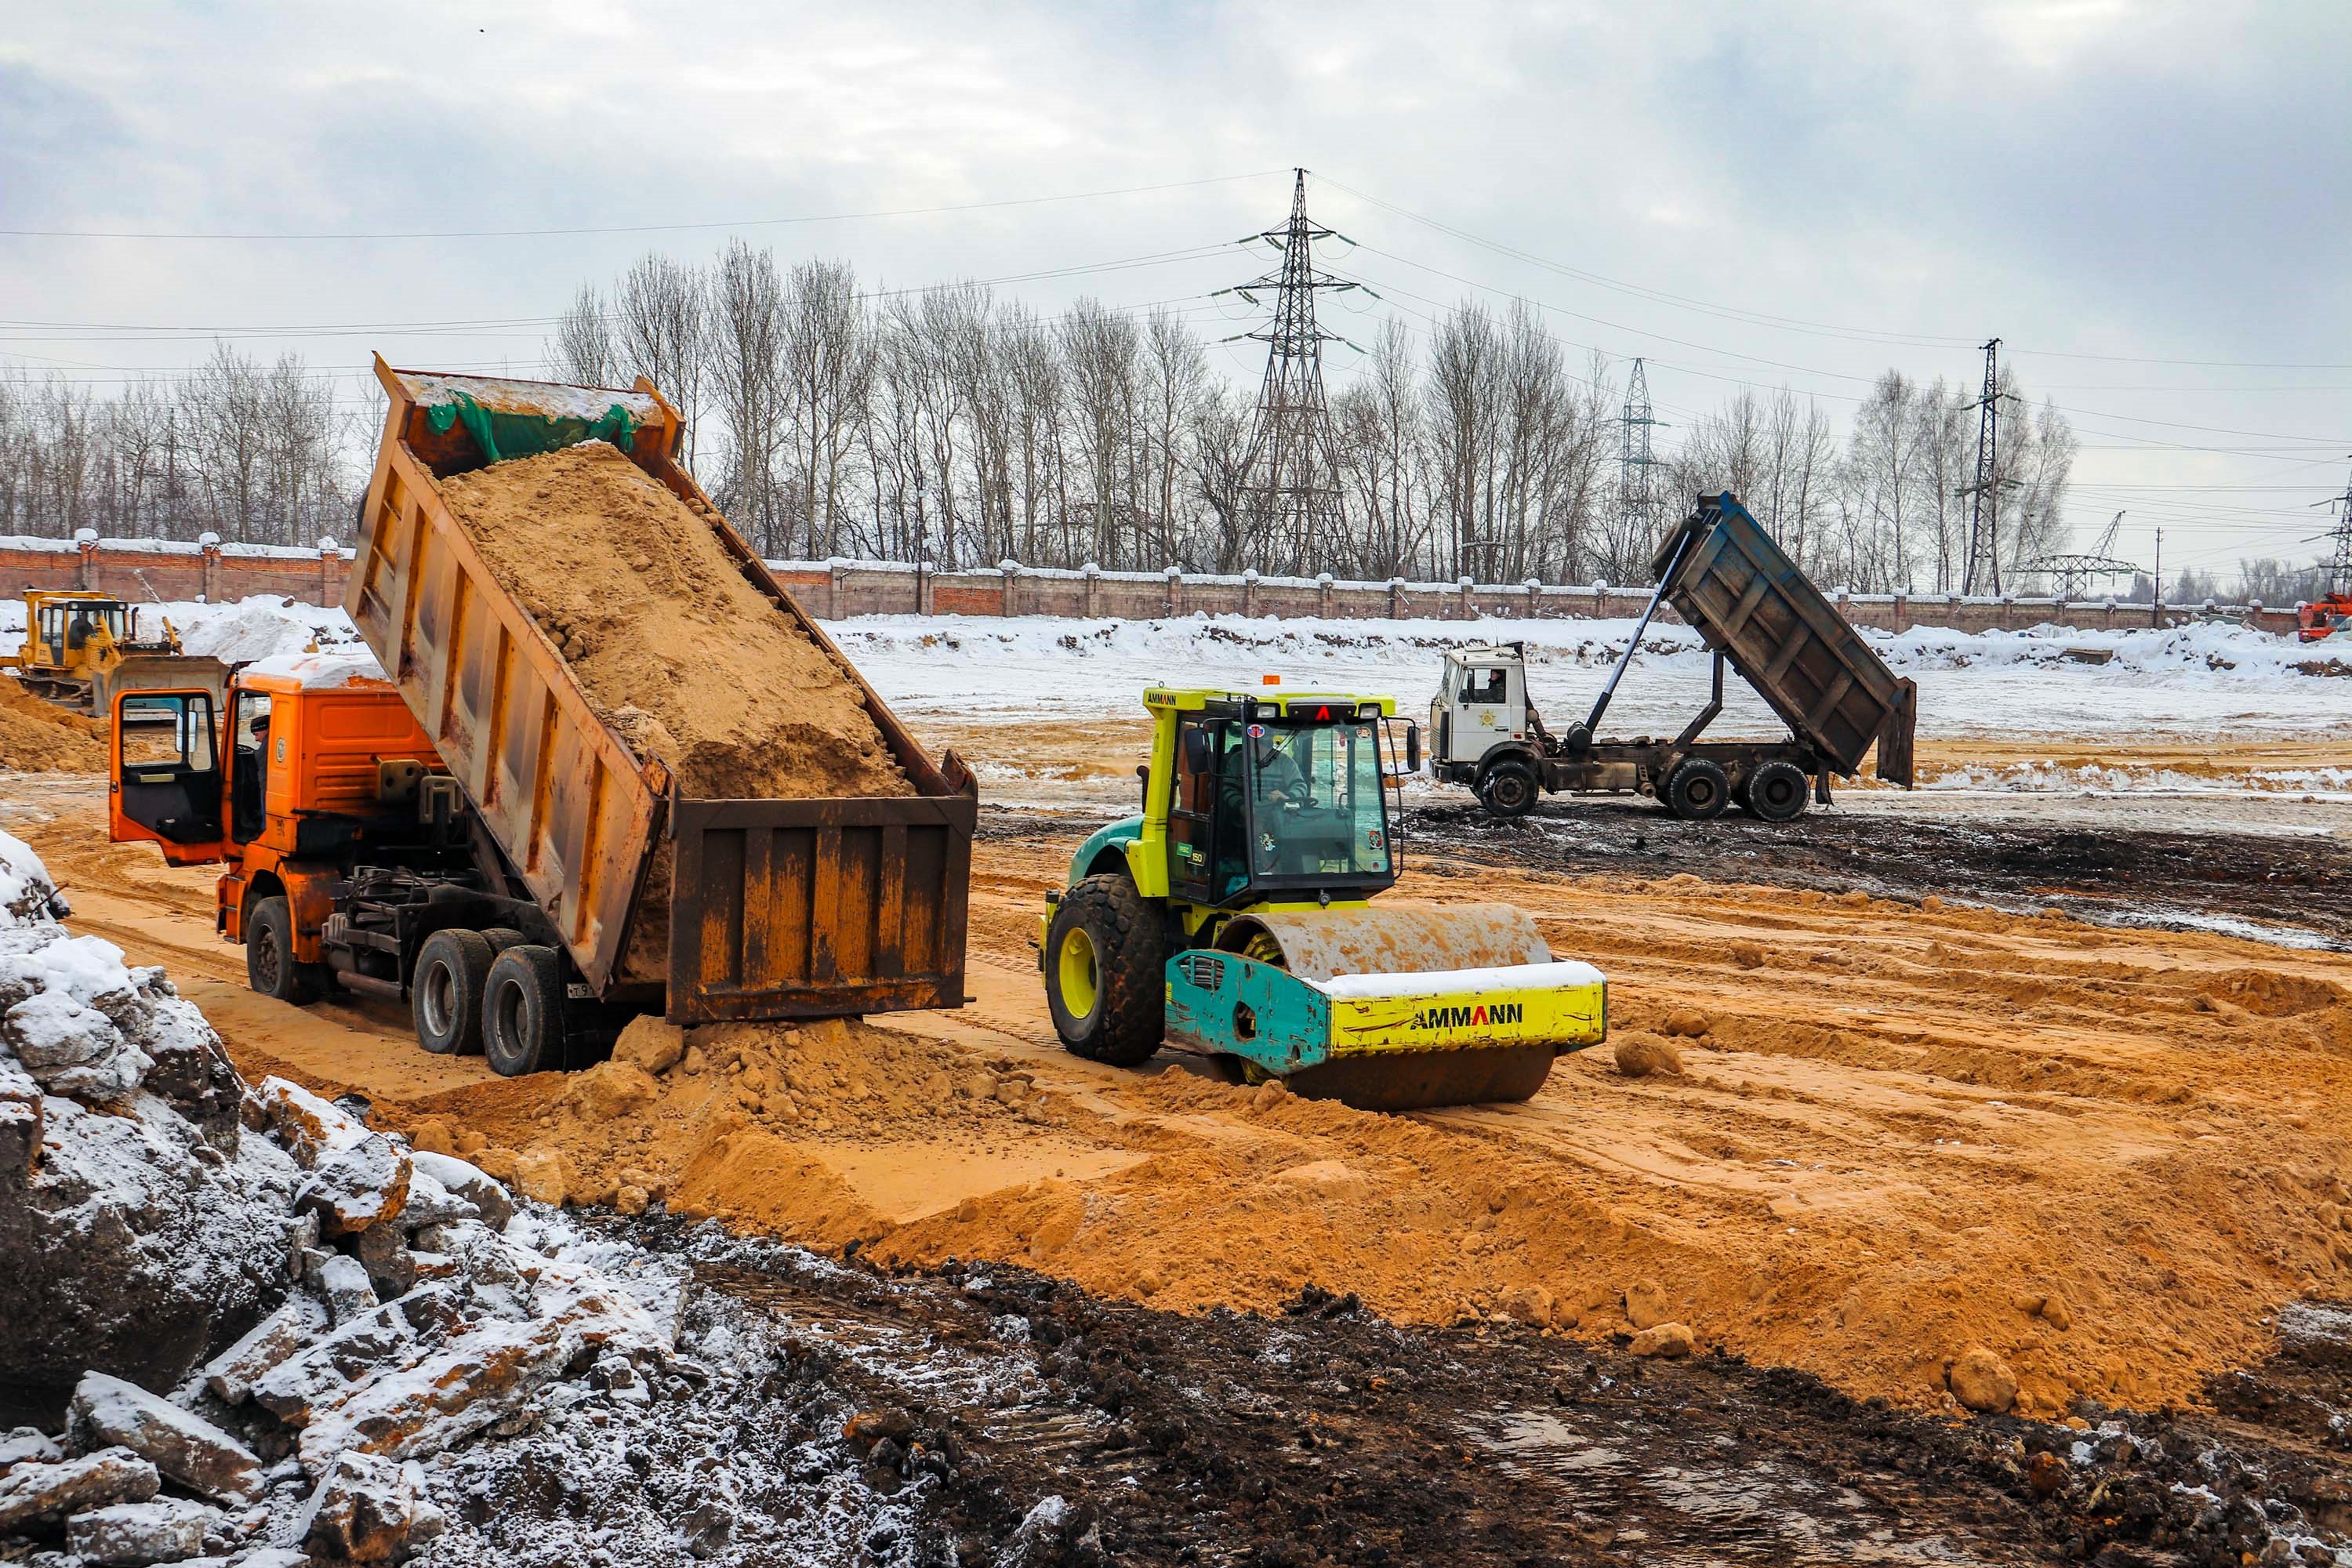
{"x": 1920, "y": 1111}
{"x": 1032, "y": 1423}
{"x": 2110, "y": 875}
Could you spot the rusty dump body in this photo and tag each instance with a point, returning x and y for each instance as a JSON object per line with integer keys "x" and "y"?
{"x": 1725, "y": 575}
{"x": 777, "y": 909}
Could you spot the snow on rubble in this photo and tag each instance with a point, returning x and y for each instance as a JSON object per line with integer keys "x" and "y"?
{"x": 245, "y": 1320}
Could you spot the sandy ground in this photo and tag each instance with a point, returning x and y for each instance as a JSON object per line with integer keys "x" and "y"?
{"x": 1910, "y": 1128}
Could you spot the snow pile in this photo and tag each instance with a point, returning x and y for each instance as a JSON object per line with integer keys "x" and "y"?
{"x": 2191, "y": 679}
{"x": 365, "y": 1306}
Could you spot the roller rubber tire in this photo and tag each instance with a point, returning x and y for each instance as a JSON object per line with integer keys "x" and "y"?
{"x": 1123, "y": 1024}
{"x": 1509, "y": 789}
{"x": 446, "y": 993}
{"x": 523, "y": 1012}
{"x": 1697, "y": 790}
{"x": 1775, "y": 792}
{"x": 270, "y": 964}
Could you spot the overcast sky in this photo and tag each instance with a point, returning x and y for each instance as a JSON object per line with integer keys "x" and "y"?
{"x": 2150, "y": 203}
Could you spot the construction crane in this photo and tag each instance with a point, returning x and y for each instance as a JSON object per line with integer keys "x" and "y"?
{"x": 2072, "y": 574}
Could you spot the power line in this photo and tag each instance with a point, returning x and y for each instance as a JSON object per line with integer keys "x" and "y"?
{"x": 638, "y": 228}
{"x": 1793, "y": 323}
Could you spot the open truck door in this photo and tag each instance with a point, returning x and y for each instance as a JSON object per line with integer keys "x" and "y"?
{"x": 166, "y": 784}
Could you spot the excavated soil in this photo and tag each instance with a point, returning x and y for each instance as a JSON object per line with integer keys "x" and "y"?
{"x": 1905, "y": 1126}
{"x": 37, "y": 737}
{"x": 686, "y": 658}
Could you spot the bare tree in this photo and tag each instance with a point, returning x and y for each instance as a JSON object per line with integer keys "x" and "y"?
{"x": 661, "y": 318}
{"x": 582, "y": 351}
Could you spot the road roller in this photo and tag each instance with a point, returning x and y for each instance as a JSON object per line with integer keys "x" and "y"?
{"x": 1232, "y": 917}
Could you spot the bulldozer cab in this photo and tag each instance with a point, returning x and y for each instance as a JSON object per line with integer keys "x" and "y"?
{"x": 1278, "y": 800}
{"x": 60, "y": 628}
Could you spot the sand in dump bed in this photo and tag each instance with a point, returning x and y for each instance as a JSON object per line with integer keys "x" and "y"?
{"x": 37, "y": 737}
{"x": 690, "y": 663}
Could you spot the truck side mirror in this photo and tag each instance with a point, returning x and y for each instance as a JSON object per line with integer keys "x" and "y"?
{"x": 1196, "y": 750}
{"x": 1412, "y": 748}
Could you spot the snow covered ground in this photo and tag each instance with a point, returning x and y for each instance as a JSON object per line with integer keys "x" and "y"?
{"x": 2195, "y": 682}
{"x": 2189, "y": 686}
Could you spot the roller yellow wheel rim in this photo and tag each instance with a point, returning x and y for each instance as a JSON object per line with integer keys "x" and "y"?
{"x": 1078, "y": 972}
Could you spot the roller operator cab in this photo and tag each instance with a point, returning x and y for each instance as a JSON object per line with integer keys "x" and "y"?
{"x": 1232, "y": 918}
{"x": 352, "y": 860}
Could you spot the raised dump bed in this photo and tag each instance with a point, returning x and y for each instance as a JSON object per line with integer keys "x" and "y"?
{"x": 774, "y": 905}
{"x": 1726, "y": 578}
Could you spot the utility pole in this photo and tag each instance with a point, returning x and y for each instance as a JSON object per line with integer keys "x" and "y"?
{"x": 1982, "y": 574}
{"x": 1637, "y": 503}
{"x": 2156, "y": 593}
{"x": 1290, "y": 479}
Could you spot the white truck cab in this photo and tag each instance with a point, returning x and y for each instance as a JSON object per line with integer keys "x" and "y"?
{"x": 1481, "y": 702}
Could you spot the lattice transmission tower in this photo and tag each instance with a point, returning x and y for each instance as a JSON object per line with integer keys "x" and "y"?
{"x": 1637, "y": 499}
{"x": 1289, "y": 477}
{"x": 1983, "y": 572}
{"x": 2071, "y": 575}
{"x": 2339, "y": 565}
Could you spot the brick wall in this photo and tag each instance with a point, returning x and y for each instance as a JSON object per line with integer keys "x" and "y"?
{"x": 144, "y": 569}
{"x": 836, "y": 590}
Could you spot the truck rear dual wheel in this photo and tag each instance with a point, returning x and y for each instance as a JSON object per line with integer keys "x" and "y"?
{"x": 446, "y": 993}
{"x": 1104, "y": 983}
{"x": 270, "y": 966}
{"x": 522, "y": 1011}
{"x": 1697, "y": 790}
{"x": 1774, "y": 791}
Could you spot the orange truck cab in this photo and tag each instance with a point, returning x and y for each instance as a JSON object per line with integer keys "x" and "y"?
{"x": 349, "y": 848}
{"x": 2324, "y": 618}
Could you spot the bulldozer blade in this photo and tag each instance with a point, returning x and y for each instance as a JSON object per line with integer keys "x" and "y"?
{"x": 1424, "y": 1080}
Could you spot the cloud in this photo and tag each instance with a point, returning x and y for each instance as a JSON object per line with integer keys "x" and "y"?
{"x": 2115, "y": 177}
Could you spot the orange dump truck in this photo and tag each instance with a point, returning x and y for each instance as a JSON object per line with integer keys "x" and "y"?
{"x": 453, "y": 824}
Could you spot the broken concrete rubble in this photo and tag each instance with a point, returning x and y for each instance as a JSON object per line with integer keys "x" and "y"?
{"x": 231, "y": 1374}
{"x": 36, "y": 1497}
{"x": 369, "y": 1509}
{"x": 103, "y": 1179}
{"x": 356, "y": 1185}
{"x": 131, "y": 1534}
{"x": 181, "y": 1446}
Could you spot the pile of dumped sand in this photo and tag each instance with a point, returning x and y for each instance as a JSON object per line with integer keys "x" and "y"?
{"x": 733, "y": 1122}
{"x": 37, "y": 737}
{"x": 688, "y": 661}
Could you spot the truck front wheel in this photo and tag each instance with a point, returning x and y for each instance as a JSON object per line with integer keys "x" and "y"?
{"x": 446, "y": 993}
{"x": 522, "y": 1011}
{"x": 269, "y": 963}
{"x": 1103, "y": 980}
{"x": 1509, "y": 789}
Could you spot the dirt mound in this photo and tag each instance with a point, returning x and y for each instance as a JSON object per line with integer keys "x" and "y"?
{"x": 691, "y": 663}
{"x": 37, "y": 737}
{"x": 756, "y": 1125}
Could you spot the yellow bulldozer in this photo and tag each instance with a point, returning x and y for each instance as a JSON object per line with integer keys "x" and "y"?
{"x": 80, "y": 647}
{"x": 1232, "y": 918}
